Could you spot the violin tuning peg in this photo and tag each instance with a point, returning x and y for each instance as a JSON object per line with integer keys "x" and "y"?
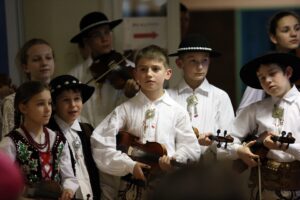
{"x": 225, "y": 133}
{"x": 218, "y": 131}
{"x": 219, "y": 145}
{"x": 225, "y": 145}
{"x": 283, "y": 133}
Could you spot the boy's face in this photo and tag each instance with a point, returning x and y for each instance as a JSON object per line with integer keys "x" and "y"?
{"x": 194, "y": 65}
{"x": 38, "y": 109}
{"x": 68, "y": 105}
{"x": 99, "y": 40}
{"x": 151, "y": 74}
{"x": 273, "y": 80}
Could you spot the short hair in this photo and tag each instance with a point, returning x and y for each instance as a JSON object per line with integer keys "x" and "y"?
{"x": 153, "y": 52}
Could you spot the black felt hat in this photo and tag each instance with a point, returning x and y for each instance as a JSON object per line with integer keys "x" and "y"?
{"x": 248, "y": 71}
{"x": 65, "y": 82}
{"x": 92, "y": 20}
{"x": 195, "y": 43}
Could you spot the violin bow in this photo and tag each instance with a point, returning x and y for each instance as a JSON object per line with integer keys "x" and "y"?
{"x": 112, "y": 65}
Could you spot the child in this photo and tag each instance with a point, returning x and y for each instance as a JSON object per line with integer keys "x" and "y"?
{"x": 41, "y": 153}
{"x": 68, "y": 96}
{"x": 284, "y": 34}
{"x": 153, "y": 117}
{"x": 209, "y": 107}
{"x": 280, "y": 172}
{"x": 36, "y": 58}
{"x": 6, "y": 88}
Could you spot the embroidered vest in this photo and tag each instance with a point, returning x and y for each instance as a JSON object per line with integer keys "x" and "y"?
{"x": 29, "y": 160}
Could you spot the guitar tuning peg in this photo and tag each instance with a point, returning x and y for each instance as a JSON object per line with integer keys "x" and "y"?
{"x": 283, "y": 133}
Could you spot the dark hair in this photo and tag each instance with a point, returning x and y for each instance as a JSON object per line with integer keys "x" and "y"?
{"x": 273, "y": 22}
{"x": 4, "y": 80}
{"x": 153, "y": 52}
{"x": 23, "y": 94}
{"x": 183, "y": 8}
{"x": 59, "y": 92}
{"x": 22, "y": 56}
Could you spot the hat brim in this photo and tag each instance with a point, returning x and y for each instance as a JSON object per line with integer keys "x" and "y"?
{"x": 212, "y": 53}
{"x": 112, "y": 25}
{"x": 248, "y": 71}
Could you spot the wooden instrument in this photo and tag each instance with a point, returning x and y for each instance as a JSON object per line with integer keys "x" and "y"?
{"x": 148, "y": 153}
{"x": 259, "y": 149}
{"x": 219, "y": 139}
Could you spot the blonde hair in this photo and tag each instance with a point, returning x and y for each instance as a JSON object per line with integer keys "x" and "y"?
{"x": 153, "y": 52}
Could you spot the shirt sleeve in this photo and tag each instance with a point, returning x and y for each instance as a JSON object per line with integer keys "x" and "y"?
{"x": 8, "y": 147}
{"x": 187, "y": 147}
{"x": 69, "y": 181}
{"x": 103, "y": 140}
{"x": 294, "y": 149}
{"x": 8, "y": 122}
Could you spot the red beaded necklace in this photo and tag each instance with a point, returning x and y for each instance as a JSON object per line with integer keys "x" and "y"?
{"x": 34, "y": 143}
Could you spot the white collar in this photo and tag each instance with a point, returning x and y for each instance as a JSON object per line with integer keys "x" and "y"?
{"x": 165, "y": 98}
{"x": 203, "y": 89}
{"x": 66, "y": 127}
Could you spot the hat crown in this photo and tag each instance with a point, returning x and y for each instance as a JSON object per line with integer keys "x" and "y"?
{"x": 194, "y": 41}
{"x": 92, "y": 18}
{"x": 63, "y": 81}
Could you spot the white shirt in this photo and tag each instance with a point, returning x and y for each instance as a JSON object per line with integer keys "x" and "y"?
{"x": 82, "y": 174}
{"x": 214, "y": 108}
{"x": 251, "y": 95}
{"x": 68, "y": 179}
{"x": 104, "y": 99}
{"x": 171, "y": 127}
{"x": 260, "y": 114}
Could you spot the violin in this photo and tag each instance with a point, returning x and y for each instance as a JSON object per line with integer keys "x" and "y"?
{"x": 259, "y": 149}
{"x": 219, "y": 139}
{"x": 148, "y": 153}
{"x": 111, "y": 67}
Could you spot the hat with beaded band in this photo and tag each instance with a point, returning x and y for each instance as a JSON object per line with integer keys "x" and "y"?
{"x": 195, "y": 43}
{"x": 65, "y": 82}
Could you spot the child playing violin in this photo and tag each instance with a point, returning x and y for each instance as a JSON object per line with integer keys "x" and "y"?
{"x": 152, "y": 116}
{"x": 42, "y": 154}
{"x": 275, "y": 73}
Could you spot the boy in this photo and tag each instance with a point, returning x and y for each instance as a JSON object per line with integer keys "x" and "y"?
{"x": 209, "y": 107}
{"x": 280, "y": 171}
{"x": 68, "y": 96}
{"x": 153, "y": 117}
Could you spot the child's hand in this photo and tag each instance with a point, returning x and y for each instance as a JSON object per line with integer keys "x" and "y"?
{"x": 246, "y": 155}
{"x": 165, "y": 163}
{"x": 138, "y": 171}
{"x": 131, "y": 88}
{"x": 67, "y": 194}
{"x": 270, "y": 144}
{"x": 204, "y": 140}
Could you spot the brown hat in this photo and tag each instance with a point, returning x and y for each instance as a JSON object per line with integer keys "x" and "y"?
{"x": 92, "y": 20}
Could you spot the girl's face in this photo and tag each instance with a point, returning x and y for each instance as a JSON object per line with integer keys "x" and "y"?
{"x": 195, "y": 67}
{"x": 287, "y": 35}
{"x": 68, "y": 105}
{"x": 150, "y": 75}
{"x": 38, "y": 109}
{"x": 40, "y": 63}
{"x": 273, "y": 80}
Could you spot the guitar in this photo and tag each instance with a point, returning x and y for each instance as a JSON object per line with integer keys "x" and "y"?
{"x": 259, "y": 149}
{"x": 219, "y": 139}
{"x": 148, "y": 153}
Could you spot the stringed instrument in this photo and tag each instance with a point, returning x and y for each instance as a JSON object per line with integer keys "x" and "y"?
{"x": 226, "y": 138}
{"x": 148, "y": 153}
{"x": 259, "y": 149}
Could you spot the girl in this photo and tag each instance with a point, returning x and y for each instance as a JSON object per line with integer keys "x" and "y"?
{"x": 68, "y": 95}
{"x": 41, "y": 153}
{"x": 36, "y": 58}
{"x": 284, "y": 34}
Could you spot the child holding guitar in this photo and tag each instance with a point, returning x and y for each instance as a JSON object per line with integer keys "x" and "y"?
{"x": 151, "y": 116}
{"x": 278, "y": 174}
{"x": 209, "y": 107}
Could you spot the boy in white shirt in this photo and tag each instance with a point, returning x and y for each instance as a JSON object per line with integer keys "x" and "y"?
{"x": 209, "y": 107}
{"x": 152, "y": 116}
{"x": 280, "y": 170}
